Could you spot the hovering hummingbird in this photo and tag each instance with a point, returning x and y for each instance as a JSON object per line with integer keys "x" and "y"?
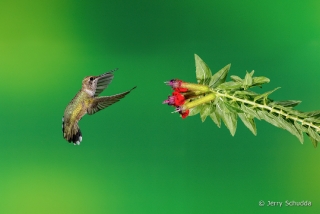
{"x": 87, "y": 101}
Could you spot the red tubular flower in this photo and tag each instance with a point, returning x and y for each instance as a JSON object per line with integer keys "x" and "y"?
{"x": 184, "y": 114}
{"x": 176, "y": 85}
{"x": 184, "y": 91}
{"x": 176, "y": 99}
{"x": 181, "y": 89}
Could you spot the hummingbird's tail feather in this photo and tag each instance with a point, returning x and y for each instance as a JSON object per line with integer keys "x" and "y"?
{"x": 71, "y": 133}
{"x": 100, "y": 103}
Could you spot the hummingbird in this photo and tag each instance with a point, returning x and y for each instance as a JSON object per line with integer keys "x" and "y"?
{"x": 87, "y": 101}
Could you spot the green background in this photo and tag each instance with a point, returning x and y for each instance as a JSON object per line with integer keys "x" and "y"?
{"x": 137, "y": 157}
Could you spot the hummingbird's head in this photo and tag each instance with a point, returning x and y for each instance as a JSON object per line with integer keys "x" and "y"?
{"x": 94, "y": 85}
{"x": 89, "y": 84}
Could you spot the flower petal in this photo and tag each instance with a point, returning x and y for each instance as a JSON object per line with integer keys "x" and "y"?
{"x": 184, "y": 114}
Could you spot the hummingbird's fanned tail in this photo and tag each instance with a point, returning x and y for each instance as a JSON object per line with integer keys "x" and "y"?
{"x": 100, "y": 103}
{"x": 71, "y": 133}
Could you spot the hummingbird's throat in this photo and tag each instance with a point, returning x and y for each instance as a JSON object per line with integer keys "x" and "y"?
{"x": 89, "y": 92}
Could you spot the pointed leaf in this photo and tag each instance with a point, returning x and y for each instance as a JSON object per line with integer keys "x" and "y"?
{"x": 229, "y": 86}
{"x": 247, "y": 81}
{"x": 265, "y": 95}
{"x": 236, "y": 78}
{"x": 265, "y": 116}
{"x": 314, "y": 142}
{"x": 313, "y": 134}
{"x": 228, "y": 118}
{"x": 276, "y": 120}
{"x": 313, "y": 113}
{"x": 248, "y": 121}
{"x": 195, "y": 110}
{"x": 286, "y": 103}
{"x": 216, "y": 118}
{"x": 311, "y": 119}
{"x": 291, "y": 128}
{"x": 287, "y": 126}
{"x": 205, "y": 111}
{"x": 259, "y": 80}
{"x": 251, "y": 73}
{"x": 219, "y": 77}
{"x": 250, "y": 110}
{"x": 298, "y": 134}
{"x": 203, "y": 72}
{"x": 283, "y": 108}
{"x": 300, "y": 127}
{"x": 249, "y": 93}
{"x": 233, "y": 107}
{"x": 215, "y": 115}
{"x": 293, "y": 111}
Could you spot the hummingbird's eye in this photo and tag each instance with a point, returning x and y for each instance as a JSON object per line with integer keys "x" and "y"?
{"x": 91, "y": 78}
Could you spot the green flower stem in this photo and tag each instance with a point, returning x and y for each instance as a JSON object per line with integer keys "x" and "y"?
{"x": 209, "y": 97}
{"x": 195, "y": 87}
{"x": 271, "y": 109}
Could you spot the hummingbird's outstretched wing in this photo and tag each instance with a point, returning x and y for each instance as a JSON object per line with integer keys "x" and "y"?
{"x": 103, "y": 81}
{"x": 100, "y": 103}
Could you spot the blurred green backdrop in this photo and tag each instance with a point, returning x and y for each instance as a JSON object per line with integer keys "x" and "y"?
{"x": 137, "y": 157}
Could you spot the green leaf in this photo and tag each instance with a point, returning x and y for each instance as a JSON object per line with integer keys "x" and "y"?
{"x": 259, "y": 81}
{"x": 250, "y": 110}
{"x": 283, "y": 108}
{"x": 248, "y": 121}
{"x": 216, "y": 118}
{"x": 285, "y": 103}
{"x": 233, "y": 107}
{"x": 230, "y": 86}
{"x": 300, "y": 127}
{"x": 314, "y": 142}
{"x": 273, "y": 120}
{"x": 251, "y": 73}
{"x": 264, "y": 95}
{"x": 293, "y": 111}
{"x": 214, "y": 115}
{"x": 247, "y": 81}
{"x": 236, "y": 78}
{"x": 311, "y": 119}
{"x": 313, "y": 134}
{"x": 313, "y": 113}
{"x": 195, "y": 110}
{"x": 291, "y": 128}
{"x": 203, "y": 72}
{"x": 219, "y": 77}
{"x": 229, "y": 118}
{"x": 276, "y": 119}
{"x": 205, "y": 111}
{"x": 282, "y": 123}
{"x": 246, "y": 93}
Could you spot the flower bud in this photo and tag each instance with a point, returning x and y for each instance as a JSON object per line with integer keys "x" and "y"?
{"x": 207, "y": 98}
